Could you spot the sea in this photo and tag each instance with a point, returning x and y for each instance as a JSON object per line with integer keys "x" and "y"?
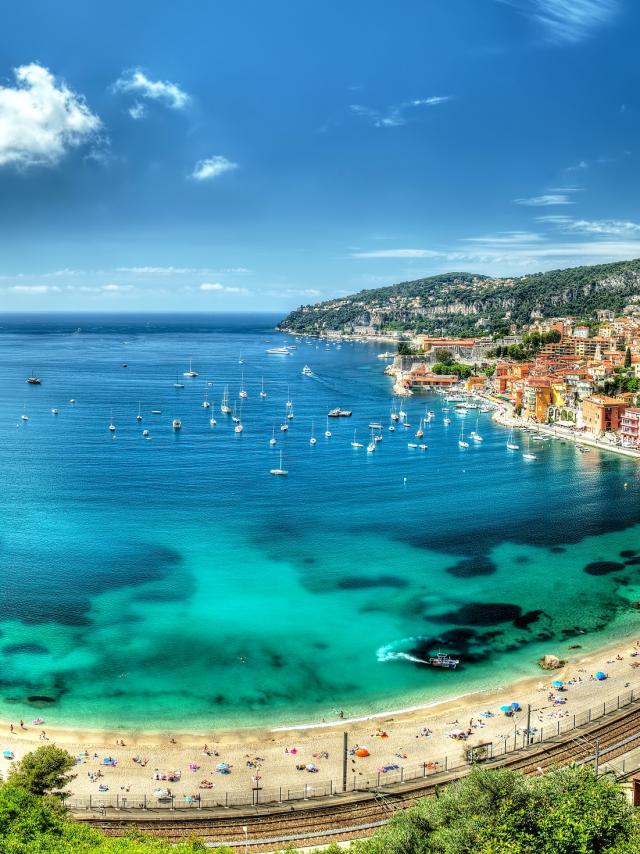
{"x": 171, "y": 581}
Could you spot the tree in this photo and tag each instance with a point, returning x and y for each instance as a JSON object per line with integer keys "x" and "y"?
{"x": 43, "y": 771}
{"x": 443, "y": 355}
{"x": 627, "y": 358}
{"x": 503, "y": 812}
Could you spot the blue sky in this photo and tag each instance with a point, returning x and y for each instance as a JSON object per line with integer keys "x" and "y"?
{"x": 249, "y": 155}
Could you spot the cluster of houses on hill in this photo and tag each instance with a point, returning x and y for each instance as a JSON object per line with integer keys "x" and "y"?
{"x": 588, "y": 380}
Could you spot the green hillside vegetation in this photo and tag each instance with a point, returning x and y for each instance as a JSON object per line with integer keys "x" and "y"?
{"x": 470, "y": 304}
{"x": 489, "y": 812}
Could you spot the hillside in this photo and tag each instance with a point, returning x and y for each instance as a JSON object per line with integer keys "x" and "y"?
{"x": 471, "y": 304}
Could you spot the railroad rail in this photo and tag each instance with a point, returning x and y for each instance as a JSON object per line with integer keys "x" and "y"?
{"x": 359, "y": 814}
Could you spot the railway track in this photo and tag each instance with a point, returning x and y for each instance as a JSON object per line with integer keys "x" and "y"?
{"x": 359, "y": 814}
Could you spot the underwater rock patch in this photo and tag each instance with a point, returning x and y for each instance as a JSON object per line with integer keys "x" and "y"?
{"x": 355, "y": 582}
{"x": 603, "y": 567}
{"x": 472, "y": 567}
{"x": 28, "y": 648}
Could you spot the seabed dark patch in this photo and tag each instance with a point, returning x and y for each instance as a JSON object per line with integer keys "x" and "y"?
{"x": 490, "y": 614}
{"x": 356, "y": 582}
{"x": 28, "y": 648}
{"x": 472, "y": 567}
{"x": 633, "y": 561}
{"x": 603, "y": 567}
{"x": 627, "y": 553}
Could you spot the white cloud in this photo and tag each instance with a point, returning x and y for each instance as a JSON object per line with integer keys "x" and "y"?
{"x": 395, "y": 115}
{"x": 136, "y": 81}
{"x": 216, "y": 286}
{"x": 545, "y": 200}
{"x": 137, "y": 111}
{"x": 158, "y": 271}
{"x": 398, "y": 253}
{"x": 33, "y": 289}
{"x": 41, "y": 119}
{"x": 615, "y": 227}
{"x": 507, "y": 238}
{"x": 212, "y": 167}
{"x": 567, "y": 20}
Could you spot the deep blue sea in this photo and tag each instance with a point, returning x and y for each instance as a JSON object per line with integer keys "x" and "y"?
{"x": 173, "y": 581}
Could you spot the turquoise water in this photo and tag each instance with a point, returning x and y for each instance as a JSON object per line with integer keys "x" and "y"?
{"x": 174, "y": 582}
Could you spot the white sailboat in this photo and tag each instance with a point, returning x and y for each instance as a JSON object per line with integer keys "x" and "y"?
{"x": 461, "y": 441}
{"x": 312, "y": 440}
{"x": 243, "y": 392}
{"x": 279, "y": 472}
{"x": 528, "y": 454}
{"x": 54, "y": 411}
{"x": 272, "y": 440}
{"x": 112, "y": 426}
{"x": 145, "y": 434}
{"x": 475, "y": 435}
{"x": 289, "y": 404}
{"x": 177, "y": 383}
{"x": 327, "y": 432}
{"x": 290, "y": 413}
{"x": 511, "y": 445}
{"x": 372, "y": 445}
{"x": 239, "y": 428}
{"x": 262, "y": 391}
{"x": 190, "y": 372}
{"x": 139, "y": 415}
{"x": 212, "y": 421}
{"x": 176, "y": 424}
{"x": 25, "y": 417}
{"x": 224, "y": 405}
{"x": 355, "y": 444}
{"x": 234, "y": 417}
{"x": 205, "y": 402}
{"x": 419, "y": 431}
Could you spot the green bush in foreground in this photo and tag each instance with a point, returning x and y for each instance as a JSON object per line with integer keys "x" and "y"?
{"x": 488, "y": 812}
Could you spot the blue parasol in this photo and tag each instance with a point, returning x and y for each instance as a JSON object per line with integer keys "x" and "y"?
{"x": 557, "y": 683}
{"x": 600, "y": 675}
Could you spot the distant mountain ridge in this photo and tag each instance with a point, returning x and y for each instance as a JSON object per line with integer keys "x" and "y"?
{"x": 473, "y": 304}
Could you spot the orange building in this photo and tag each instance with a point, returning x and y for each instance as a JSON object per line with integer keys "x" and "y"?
{"x": 602, "y": 414}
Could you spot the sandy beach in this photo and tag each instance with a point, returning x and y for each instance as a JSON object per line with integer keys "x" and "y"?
{"x": 282, "y": 757}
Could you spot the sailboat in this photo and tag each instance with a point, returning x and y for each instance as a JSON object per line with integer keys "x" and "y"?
{"x": 312, "y": 440}
{"x": 290, "y": 412}
{"x": 372, "y": 445}
{"x": 272, "y": 440}
{"x": 262, "y": 391}
{"x": 177, "y": 383}
{"x": 239, "y": 428}
{"x": 289, "y": 404}
{"x": 205, "y": 402}
{"x": 112, "y": 426}
{"x": 243, "y": 391}
{"x": 419, "y": 431}
{"x": 327, "y": 432}
{"x": 176, "y": 424}
{"x": 234, "y": 417}
{"x": 240, "y": 359}
{"x": 279, "y": 471}
{"x": 139, "y": 415}
{"x": 355, "y": 444}
{"x": 511, "y": 445}
{"x": 393, "y": 414}
{"x": 212, "y": 421}
{"x": 461, "y": 441}
{"x": 224, "y": 405}
{"x": 190, "y": 372}
{"x": 475, "y": 435}
{"x": 25, "y": 417}
{"x": 528, "y": 455}
{"x": 54, "y": 411}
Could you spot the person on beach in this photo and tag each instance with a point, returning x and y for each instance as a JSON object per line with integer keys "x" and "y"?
{"x": 11, "y": 728}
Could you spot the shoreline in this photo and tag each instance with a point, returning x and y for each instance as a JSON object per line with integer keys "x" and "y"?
{"x": 281, "y": 756}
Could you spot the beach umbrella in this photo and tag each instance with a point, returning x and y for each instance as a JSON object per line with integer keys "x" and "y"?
{"x": 600, "y": 675}
{"x": 506, "y": 709}
{"x": 362, "y": 751}
{"x": 515, "y": 707}
{"x": 557, "y": 683}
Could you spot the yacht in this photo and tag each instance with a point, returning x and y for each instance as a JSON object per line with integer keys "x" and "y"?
{"x": 307, "y": 371}
{"x": 446, "y": 420}
{"x": 262, "y": 391}
{"x": 284, "y": 427}
{"x": 190, "y": 372}
{"x": 511, "y": 445}
{"x": 176, "y": 424}
{"x": 224, "y": 406}
{"x": 33, "y": 379}
{"x": 279, "y": 351}
{"x": 139, "y": 415}
{"x": 461, "y": 441}
{"x": 279, "y": 472}
{"x": 412, "y": 444}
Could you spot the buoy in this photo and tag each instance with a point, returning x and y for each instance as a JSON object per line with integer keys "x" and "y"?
{"x": 626, "y": 485}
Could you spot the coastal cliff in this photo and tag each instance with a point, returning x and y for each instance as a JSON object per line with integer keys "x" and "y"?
{"x": 473, "y": 304}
